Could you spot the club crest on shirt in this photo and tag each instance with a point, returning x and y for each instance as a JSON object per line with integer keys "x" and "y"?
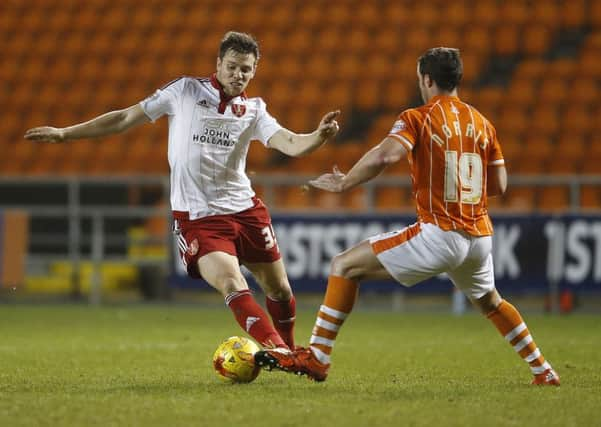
{"x": 238, "y": 109}
{"x": 398, "y": 126}
{"x": 193, "y": 248}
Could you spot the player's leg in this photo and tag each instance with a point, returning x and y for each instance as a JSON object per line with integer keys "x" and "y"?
{"x": 222, "y": 272}
{"x": 347, "y": 269}
{"x": 258, "y": 250}
{"x": 279, "y": 300}
{"x": 475, "y": 277}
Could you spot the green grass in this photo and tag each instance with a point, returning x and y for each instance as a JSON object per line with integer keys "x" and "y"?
{"x": 150, "y": 366}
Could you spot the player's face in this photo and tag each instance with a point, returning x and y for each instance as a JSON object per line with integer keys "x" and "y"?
{"x": 235, "y": 71}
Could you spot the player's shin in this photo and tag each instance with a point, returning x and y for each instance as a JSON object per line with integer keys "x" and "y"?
{"x": 283, "y": 314}
{"x": 338, "y": 303}
{"x": 510, "y": 324}
{"x": 253, "y": 319}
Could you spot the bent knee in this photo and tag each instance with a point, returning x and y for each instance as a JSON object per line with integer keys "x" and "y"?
{"x": 343, "y": 267}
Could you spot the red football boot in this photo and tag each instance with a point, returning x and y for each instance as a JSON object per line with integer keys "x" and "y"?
{"x": 301, "y": 361}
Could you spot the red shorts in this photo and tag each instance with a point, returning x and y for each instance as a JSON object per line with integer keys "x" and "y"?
{"x": 247, "y": 235}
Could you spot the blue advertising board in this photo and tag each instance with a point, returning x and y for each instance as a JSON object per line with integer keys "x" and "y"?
{"x": 529, "y": 251}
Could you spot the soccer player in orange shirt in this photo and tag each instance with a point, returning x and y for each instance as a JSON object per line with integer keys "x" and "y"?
{"x": 456, "y": 164}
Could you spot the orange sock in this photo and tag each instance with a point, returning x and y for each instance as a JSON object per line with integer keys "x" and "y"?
{"x": 337, "y": 304}
{"x": 510, "y": 324}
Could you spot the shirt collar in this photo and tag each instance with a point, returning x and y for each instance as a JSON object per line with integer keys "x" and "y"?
{"x": 224, "y": 98}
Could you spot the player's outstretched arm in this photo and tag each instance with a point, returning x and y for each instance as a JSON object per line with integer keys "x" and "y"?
{"x": 106, "y": 124}
{"x": 368, "y": 167}
{"x": 496, "y": 183}
{"x": 293, "y": 144}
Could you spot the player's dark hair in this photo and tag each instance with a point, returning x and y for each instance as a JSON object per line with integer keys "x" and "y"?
{"x": 443, "y": 65}
{"x": 239, "y": 42}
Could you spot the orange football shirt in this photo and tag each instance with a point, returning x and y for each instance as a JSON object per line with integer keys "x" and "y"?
{"x": 450, "y": 147}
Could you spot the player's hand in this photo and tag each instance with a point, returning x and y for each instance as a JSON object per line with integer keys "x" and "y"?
{"x": 333, "y": 182}
{"x": 45, "y": 133}
{"x": 328, "y": 127}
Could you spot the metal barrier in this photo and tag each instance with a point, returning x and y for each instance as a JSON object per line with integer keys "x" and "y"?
{"x": 74, "y": 210}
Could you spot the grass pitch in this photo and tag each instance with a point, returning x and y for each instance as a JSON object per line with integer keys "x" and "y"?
{"x": 150, "y": 366}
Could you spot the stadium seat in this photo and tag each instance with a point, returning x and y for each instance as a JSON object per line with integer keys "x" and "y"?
{"x": 553, "y": 91}
{"x": 392, "y": 199}
{"x": 573, "y": 14}
{"x": 522, "y": 199}
{"x": 506, "y": 40}
{"x": 514, "y": 13}
{"x": 553, "y": 198}
{"x": 476, "y": 39}
{"x": 535, "y": 39}
{"x": 590, "y": 196}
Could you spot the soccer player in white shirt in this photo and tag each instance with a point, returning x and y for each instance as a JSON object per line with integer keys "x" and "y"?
{"x": 219, "y": 223}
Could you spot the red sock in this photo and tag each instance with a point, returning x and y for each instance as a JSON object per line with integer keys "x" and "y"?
{"x": 283, "y": 314}
{"x": 253, "y": 319}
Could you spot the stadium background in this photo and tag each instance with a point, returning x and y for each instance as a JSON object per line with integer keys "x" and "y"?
{"x": 95, "y": 211}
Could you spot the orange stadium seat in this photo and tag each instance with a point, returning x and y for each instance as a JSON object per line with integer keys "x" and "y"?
{"x": 331, "y": 202}
{"x": 397, "y": 93}
{"x": 422, "y": 14}
{"x": 590, "y": 196}
{"x": 535, "y": 39}
{"x": 367, "y": 94}
{"x": 506, "y": 40}
{"x": 590, "y": 64}
{"x": 515, "y": 121}
{"x": 396, "y": 13}
{"x": 514, "y": 13}
{"x": 366, "y": 15}
{"x": 309, "y": 16}
{"x": 531, "y": 69}
{"x": 545, "y": 120}
{"x": 573, "y": 13}
{"x": 338, "y": 16}
{"x": 457, "y": 13}
{"x": 566, "y": 165}
{"x": 520, "y": 198}
{"x": 553, "y": 91}
{"x": 544, "y": 12}
{"x": 392, "y": 199}
{"x": 577, "y": 119}
{"x": 485, "y": 12}
{"x": 386, "y": 41}
{"x": 584, "y": 92}
{"x": 553, "y": 198}
{"x": 594, "y": 14}
{"x": 476, "y": 39}
{"x": 534, "y": 166}
{"x": 355, "y": 199}
{"x": 563, "y": 68}
{"x": 446, "y": 36}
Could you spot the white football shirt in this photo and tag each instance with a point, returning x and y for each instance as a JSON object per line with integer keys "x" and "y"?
{"x": 207, "y": 148}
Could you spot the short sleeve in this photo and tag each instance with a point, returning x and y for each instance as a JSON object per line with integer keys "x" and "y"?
{"x": 164, "y": 100}
{"x": 406, "y": 128}
{"x": 265, "y": 125}
{"x": 495, "y": 155}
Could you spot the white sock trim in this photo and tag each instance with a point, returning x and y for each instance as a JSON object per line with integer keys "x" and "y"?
{"x": 515, "y": 331}
{"x": 532, "y": 356}
{"x": 321, "y": 340}
{"x": 320, "y": 355}
{"x": 540, "y": 369}
{"x": 523, "y": 343}
{"x": 327, "y": 325}
{"x": 333, "y": 313}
